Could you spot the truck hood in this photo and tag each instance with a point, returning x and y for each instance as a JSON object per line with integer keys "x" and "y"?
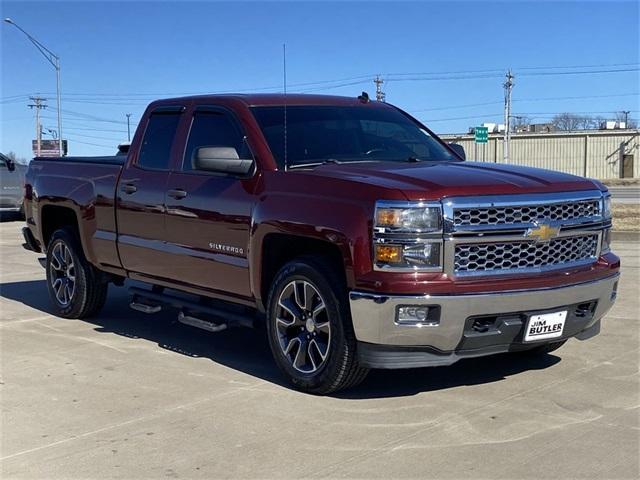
{"x": 429, "y": 180}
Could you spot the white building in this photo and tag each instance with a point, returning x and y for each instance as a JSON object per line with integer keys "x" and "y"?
{"x": 598, "y": 154}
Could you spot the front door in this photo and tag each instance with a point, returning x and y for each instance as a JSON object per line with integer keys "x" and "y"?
{"x": 209, "y": 214}
{"x": 141, "y": 198}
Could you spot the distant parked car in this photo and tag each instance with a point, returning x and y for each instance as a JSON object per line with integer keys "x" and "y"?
{"x": 11, "y": 186}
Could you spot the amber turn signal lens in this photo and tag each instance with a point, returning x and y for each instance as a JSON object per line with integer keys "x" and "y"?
{"x": 388, "y": 253}
{"x": 388, "y": 217}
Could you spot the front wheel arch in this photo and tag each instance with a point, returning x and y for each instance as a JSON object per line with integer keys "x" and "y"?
{"x": 278, "y": 249}
{"x": 341, "y": 369}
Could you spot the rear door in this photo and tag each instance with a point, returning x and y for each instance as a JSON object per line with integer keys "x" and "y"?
{"x": 209, "y": 214}
{"x": 141, "y": 196}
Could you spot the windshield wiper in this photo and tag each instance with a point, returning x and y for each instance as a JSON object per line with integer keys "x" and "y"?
{"x": 313, "y": 164}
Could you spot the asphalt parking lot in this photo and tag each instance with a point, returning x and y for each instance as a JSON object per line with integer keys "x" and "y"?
{"x": 126, "y": 395}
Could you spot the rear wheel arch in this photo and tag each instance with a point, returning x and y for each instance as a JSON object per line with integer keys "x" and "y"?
{"x": 56, "y": 217}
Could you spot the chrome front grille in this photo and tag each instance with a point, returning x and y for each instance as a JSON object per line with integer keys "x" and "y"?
{"x": 511, "y": 257}
{"x": 523, "y": 233}
{"x": 504, "y": 215}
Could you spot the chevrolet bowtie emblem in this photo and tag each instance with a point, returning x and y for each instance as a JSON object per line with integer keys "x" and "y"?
{"x": 543, "y": 232}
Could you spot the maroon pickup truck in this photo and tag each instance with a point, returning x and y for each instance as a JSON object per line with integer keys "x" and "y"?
{"x": 343, "y": 226}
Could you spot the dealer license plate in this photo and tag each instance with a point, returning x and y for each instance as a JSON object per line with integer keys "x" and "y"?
{"x": 542, "y": 327}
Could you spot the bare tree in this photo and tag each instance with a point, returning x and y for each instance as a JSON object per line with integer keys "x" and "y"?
{"x": 622, "y": 117}
{"x": 519, "y": 122}
{"x": 598, "y": 121}
{"x": 567, "y": 122}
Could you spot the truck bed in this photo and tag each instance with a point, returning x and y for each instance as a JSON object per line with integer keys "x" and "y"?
{"x": 85, "y": 185}
{"x": 106, "y": 160}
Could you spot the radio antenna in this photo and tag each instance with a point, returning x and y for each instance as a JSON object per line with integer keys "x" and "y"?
{"x": 284, "y": 84}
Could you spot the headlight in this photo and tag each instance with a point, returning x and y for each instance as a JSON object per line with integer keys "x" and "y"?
{"x": 417, "y": 218}
{"x": 407, "y": 236}
{"x": 606, "y": 206}
{"x": 606, "y": 241}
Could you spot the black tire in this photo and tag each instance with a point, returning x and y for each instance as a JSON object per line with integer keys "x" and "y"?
{"x": 544, "y": 349}
{"x": 89, "y": 292}
{"x": 339, "y": 369}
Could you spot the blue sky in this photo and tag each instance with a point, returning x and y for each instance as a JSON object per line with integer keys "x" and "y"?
{"x": 118, "y": 56}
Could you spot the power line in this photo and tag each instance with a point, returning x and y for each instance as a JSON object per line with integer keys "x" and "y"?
{"x": 526, "y": 114}
{"x": 92, "y": 129}
{"x": 581, "y": 73}
{"x": 92, "y": 144}
{"x": 469, "y": 117}
{"x": 359, "y": 79}
{"x": 97, "y": 137}
{"x": 469, "y": 105}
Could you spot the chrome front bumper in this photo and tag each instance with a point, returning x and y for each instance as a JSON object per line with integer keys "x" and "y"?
{"x": 374, "y": 315}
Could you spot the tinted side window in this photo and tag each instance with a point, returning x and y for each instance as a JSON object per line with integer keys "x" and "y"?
{"x": 155, "y": 151}
{"x": 213, "y": 129}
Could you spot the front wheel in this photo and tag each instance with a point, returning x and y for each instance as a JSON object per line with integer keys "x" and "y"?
{"x": 309, "y": 328}
{"x": 76, "y": 288}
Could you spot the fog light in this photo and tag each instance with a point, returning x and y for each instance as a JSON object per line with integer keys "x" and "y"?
{"x": 388, "y": 253}
{"x": 417, "y": 315}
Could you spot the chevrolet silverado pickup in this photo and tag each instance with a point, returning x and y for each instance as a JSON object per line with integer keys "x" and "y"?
{"x": 345, "y": 228}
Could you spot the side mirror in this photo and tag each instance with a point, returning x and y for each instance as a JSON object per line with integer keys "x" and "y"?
{"x": 459, "y": 150}
{"x": 221, "y": 160}
{"x": 11, "y": 166}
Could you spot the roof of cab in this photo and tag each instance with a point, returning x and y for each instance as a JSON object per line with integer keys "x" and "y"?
{"x": 272, "y": 99}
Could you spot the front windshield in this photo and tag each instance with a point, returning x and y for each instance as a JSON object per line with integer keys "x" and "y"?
{"x": 318, "y": 134}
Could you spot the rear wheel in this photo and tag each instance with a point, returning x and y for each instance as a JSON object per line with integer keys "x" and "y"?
{"x": 76, "y": 288}
{"x": 309, "y": 328}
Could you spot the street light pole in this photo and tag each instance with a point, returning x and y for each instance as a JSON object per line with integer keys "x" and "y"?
{"x": 54, "y": 60}
{"x": 626, "y": 118}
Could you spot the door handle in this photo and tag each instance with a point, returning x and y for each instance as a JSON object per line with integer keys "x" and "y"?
{"x": 129, "y": 188}
{"x": 177, "y": 193}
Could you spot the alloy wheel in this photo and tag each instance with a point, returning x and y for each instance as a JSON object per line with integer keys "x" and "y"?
{"x": 303, "y": 327}
{"x": 62, "y": 273}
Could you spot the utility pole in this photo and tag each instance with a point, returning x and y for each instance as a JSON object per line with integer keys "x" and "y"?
{"x": 508, "y": 86}
{"x": 128, "y": 127}
{"x": 54, "y": 60}
{"x": 38, "y": 104}
{"x": 380, "y": 95}
{"x": 626, "y": 118}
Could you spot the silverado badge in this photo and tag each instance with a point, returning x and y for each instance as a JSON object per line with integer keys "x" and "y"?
{"x": 542, "y": 232}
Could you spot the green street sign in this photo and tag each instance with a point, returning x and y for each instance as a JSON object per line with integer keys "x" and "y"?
{"x": 482, "y": 134}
